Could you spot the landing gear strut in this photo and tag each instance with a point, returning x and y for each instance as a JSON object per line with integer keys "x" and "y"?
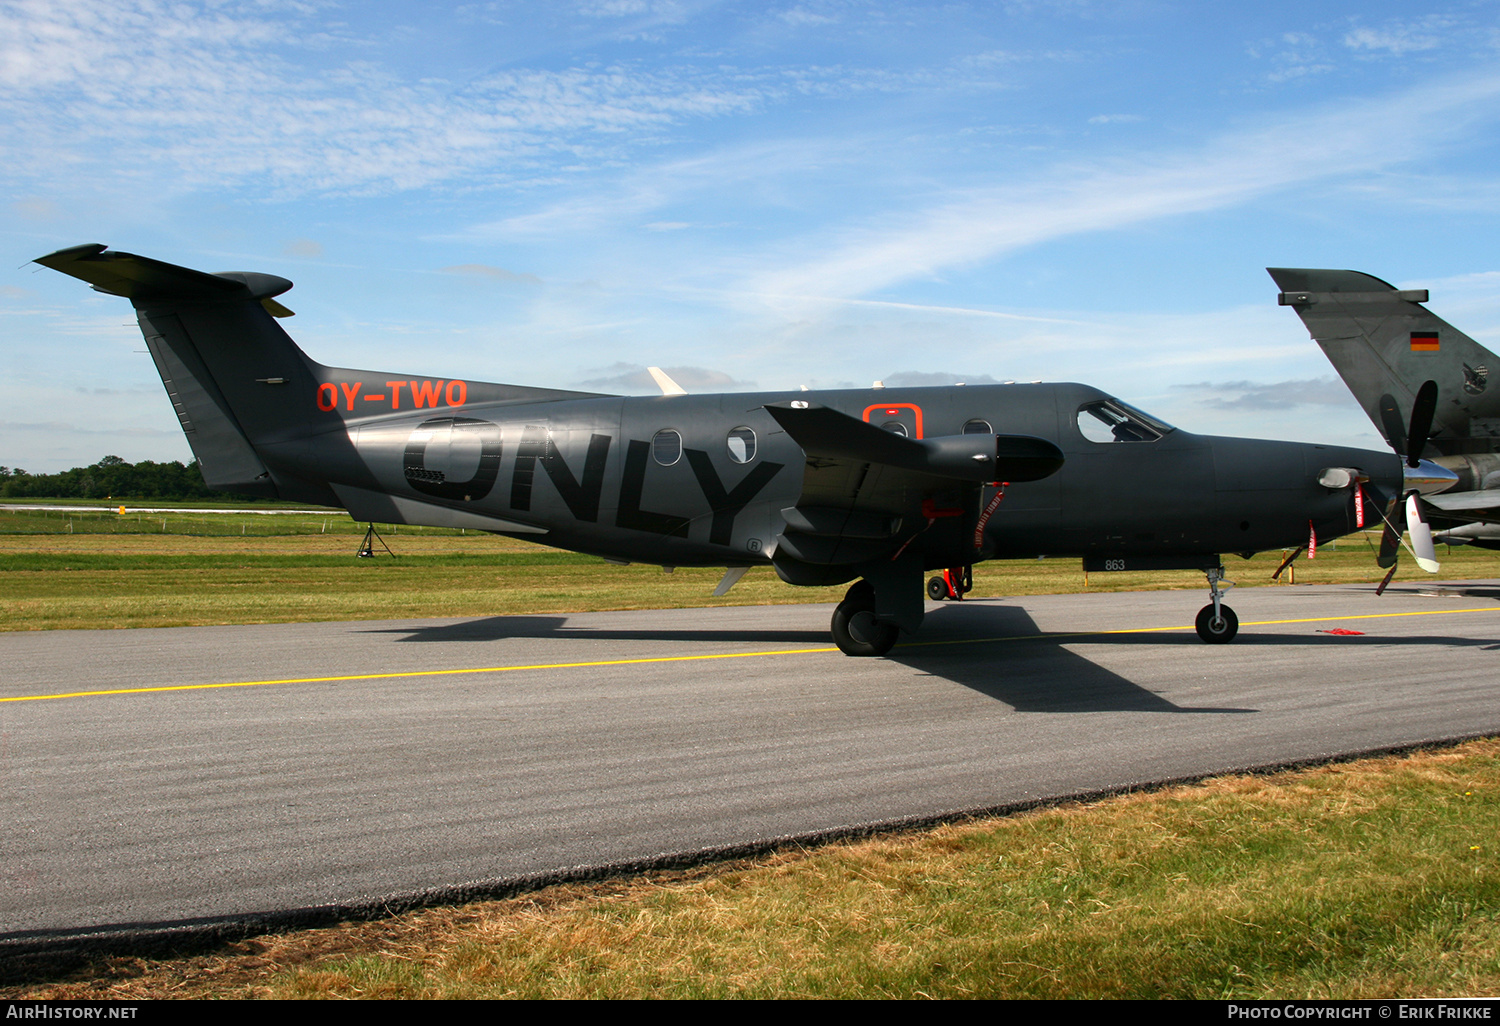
{"x": 855, "y": 630}
{"x": 1216, "y": 622}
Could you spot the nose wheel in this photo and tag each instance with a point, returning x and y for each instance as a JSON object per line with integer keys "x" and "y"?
{"x": 1216, "y": 623}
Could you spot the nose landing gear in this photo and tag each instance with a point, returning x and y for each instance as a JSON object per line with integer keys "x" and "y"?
{"x": 1216, "y": 623}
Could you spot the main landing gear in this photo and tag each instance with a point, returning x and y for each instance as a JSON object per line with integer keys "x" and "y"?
{"x": 1216, "y": 622}
{"x": 855, "y": 630}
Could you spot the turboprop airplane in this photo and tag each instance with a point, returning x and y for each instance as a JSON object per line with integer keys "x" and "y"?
{"x": 871, "y": 486}
{"x": 1425, "y": 386}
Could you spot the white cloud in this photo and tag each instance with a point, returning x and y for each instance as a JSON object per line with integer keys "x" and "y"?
{"x": 1393, "y": 41}
{"x": 493, "y": 273}
{"x": 305, "y": 248}
{"x": 1343, "y": 139}
{"x": 1398, "y": 38}
{"x": 801, "y": 16}
{"x": 655, "y": 186}
{"x": 631, "y": 377}
{"x": 198, "y": 95}
{"x": 1281, "y": 395}
{"x": 1294, "y": 55}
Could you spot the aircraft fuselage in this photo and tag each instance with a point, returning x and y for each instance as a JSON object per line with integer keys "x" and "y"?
{"x": 598, "y": 475}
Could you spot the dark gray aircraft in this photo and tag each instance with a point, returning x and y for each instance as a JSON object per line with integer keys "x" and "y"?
{"x": 872, "y": 486}
{"x": 1425, "y": 385}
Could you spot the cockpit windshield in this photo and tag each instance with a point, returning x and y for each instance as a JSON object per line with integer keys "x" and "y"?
{"x": 1109, "y": 420}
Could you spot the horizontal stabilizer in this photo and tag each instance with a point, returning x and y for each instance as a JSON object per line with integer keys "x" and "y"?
{"x": 141, "y": 278}
{"x": 1303, "y": 285}
{"x": 826, "y": 433}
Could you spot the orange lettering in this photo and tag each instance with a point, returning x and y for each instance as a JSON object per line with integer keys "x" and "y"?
{"x": 332, "y": 397}
{"x": 425, "y": 394}
{"x": 350, "y": 393}
{"x": 395, "y": 387}
{"x": 463, "y": 393}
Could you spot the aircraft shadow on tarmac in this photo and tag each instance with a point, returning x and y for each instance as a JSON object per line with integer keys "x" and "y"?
{"x": 1032, "y": 671}
{"x": 500, "y": 628}
{"x": 1447, "y": 590}
{"x": 1037, "y": 675}
{"x": 996, "y": 650}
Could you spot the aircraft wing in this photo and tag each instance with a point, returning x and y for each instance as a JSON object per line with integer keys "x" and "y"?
{"x": 866, "y": 491}
{"x": 1465, "y": 502}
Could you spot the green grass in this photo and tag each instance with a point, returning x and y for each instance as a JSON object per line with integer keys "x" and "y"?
{"x": 275, "y": 522}
{"x": 1368, "y": 879}
{"x": 116, "y": 571}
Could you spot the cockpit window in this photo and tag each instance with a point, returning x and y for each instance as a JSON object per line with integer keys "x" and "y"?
{"x": 1109, "y": 420}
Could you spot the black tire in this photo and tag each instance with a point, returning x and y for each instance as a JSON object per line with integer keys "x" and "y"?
{"x": 937, "y": 589}
{"x": 1222, "y": 632}
{"x": 855, "y": 630}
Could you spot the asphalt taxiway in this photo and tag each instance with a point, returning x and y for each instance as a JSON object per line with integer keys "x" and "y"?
{"x": 156, "y": 776}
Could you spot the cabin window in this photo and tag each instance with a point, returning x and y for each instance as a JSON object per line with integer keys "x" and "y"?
{"x": 895, "y": 427}
{"x": 666, "y": 447}
{"x": 1109, "y": 420}
{"x": 978, "y": 427}
{"x": 741, "y": 443}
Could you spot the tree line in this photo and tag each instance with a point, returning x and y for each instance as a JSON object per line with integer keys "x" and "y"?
{"x": 112, "y": 478}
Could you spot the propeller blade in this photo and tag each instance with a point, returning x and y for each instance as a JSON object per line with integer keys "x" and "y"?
{"x": 1421, "y": 535}
{"x": 1390, "y": 538}
{"x": 1390, "y": 419}
{"x": 1422, "y": 411}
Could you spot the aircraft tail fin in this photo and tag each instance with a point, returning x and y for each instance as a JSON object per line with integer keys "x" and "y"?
{"x": 1385, "y": 344}
{"x": 218, "y": 350}
{"x": 257, "y": 411}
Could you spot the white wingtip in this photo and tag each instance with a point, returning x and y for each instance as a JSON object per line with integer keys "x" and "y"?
{"x": 665, "y": 383}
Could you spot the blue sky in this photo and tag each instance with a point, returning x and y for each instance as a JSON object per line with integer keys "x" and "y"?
{"x": 753, "y": 195}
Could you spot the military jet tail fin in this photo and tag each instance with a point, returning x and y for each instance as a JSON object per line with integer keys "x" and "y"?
{"x": 1385, "y": 345}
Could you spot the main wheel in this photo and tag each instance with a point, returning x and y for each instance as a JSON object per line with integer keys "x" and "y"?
{"x": 937, "y": 590}
{"x": 855, "y": 630}
{"x": 1218, "y": 631}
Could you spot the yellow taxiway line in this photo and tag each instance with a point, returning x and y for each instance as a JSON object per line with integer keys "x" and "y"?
{"x": 692, "y": 658}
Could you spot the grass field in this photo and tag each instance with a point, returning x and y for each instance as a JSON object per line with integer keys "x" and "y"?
{"x": 92, "y": 570}
{"x": 1375, "y": 878}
